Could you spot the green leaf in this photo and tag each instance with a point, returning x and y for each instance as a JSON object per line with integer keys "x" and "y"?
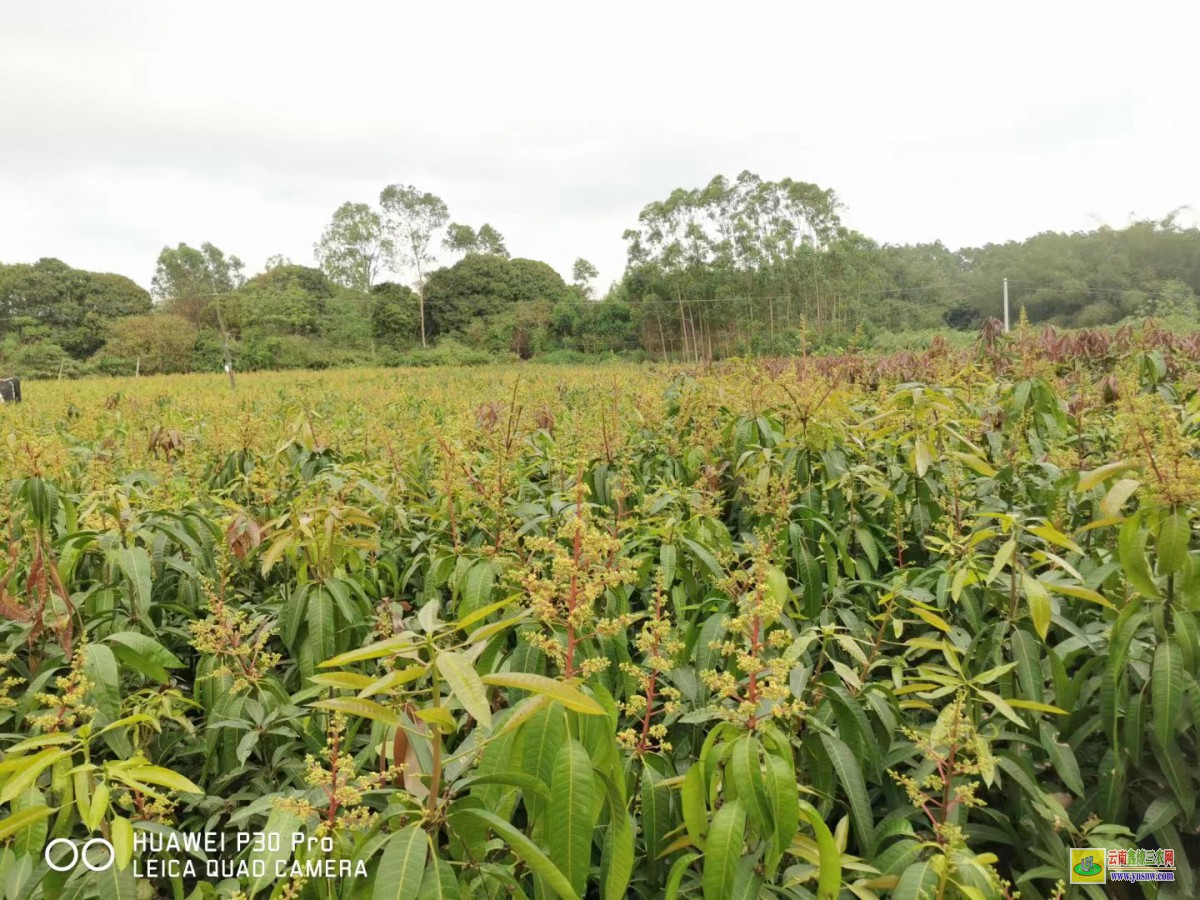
{"x": 705, "y": 558}
{"x": 401, "y": 643}
{"x": 1088, "y": 480}
{"x": 18, "y": 821}
{"x": 526, "y": 850}
{"x": 1166, "y": 690}
{"x": 1003, "y": 555}
{"x": 781, "y": 790}
{"x": 542, "y": 737}
{"x": 464, "y": 682}
{"x": 724, "y": 850}
{"x": 922, "y": 458}
{"x": 1161, "y": 811}
{"x": 1110, "y": 506}
{"x": 656, "y": 817}
{"x": 667, "y": 555}
{"x": 122, "y": 840}
{"x": 1075, "y": 590}
{"x": 27, "y": 771}
{"x": 1036, "y": 707}
{"x": 322, "y": 637}
{"x": 476, "y": 588}
{"x": 1002, "y": 706}
{"x": 850, "y": 775}
{"x": 366, "y": 709}
{"x": 1063, "y": 759}
{"x": 566, "y": 694}
{"x": 391, "y": 680}
{"x": 402, "y": 866}
{"x": 164, "y": 777}
{"x": 439, "y": 882}
{"x": 1039, "y": 604}
{"x": 695, "y": 810}
{"x": 1131, "y": 546}
{"x": 263, "y": 859}
{"x": 747, "y": 883}
{"x": 1029, "y": 664}
{"x": 116, "y": 884}
{"x": 144, "y": 654}
{"x": 616, "y": 860}
{"x": 528, "y": 784}
{"x": 918, "y": 882}
{"x": 745, "y": 771}
{"x": 1048, "y": 532}
{"x": 1177, "y": 772}
{"x": 829, "y": 869}
{"x": 678, "y": 870}
{"x": 570, "y": 816}
{"x": 348, "y": 681}
{"x": 931, "y": 617}
{"x": 1174, "y": 535}
{"x": 134, "y": 563}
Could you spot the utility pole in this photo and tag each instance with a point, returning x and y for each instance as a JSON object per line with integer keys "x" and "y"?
{"x": 229, "y": 359}
{"x": 1005, "y": 306}
{"x": 216, "y": 295}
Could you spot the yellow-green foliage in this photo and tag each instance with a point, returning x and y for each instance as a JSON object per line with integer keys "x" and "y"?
{"x": 875, "y": 627}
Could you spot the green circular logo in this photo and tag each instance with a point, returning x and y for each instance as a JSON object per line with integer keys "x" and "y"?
{"x": 1088, "y": 866}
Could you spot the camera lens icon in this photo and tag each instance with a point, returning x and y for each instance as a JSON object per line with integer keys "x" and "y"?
{"x": 82, "y": 853}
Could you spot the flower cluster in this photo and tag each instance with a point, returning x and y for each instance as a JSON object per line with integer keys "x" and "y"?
{"x": 68, "y": 708}
{"x": 337, "y": 777}
{"x": 757, "y": 684}
{"x": 565, "y": 583}
{"x": 6, "y": 686}
{"x": 236, "y": 641}
{"x": 659, "y": 644}
{"x": 955, "y": 749}
{"x": 1153, "y": 435}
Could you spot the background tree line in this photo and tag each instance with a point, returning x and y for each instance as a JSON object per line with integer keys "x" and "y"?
{"x": 734, "y": 267}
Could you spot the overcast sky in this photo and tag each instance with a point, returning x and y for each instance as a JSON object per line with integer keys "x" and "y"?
{"x": 125, "y": 126}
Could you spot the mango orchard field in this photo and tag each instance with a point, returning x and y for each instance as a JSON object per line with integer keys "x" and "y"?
{"x": 904, "y": 627}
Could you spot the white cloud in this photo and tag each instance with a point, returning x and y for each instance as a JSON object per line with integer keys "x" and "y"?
{"x": 128, "y": 125}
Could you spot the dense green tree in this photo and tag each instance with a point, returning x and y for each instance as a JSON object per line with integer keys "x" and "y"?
{"x": 394, "y": 315}
{"x": 284, "y": 300}
{"x": 354, "y": 247}
{"x": 158, "y": 343}
{"x": 482, "y": 285}
{"x": 49, "y": 300}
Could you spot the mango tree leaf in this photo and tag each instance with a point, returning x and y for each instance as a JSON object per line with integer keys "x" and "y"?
{"x": 1174, "y": 535}
{"x": 144, "y": 654}
{"x": 464, "y": 682}
{"x": 367, "y": 709}
{"x": 402, "y": 865}
{"x": 570, "y": 820}
{"x": 1131, "y": 546}
{"x": 1166, "y": 689}
{"x": 525, "y": 849}
{"x": 1039, "y": 604}
{"x": 850, "y": 776}
{"x": 134, "y": 563}
{"x": 829, "y": 868}
{"x": 724, "y": 850}
{"x": 566, "y": 694}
